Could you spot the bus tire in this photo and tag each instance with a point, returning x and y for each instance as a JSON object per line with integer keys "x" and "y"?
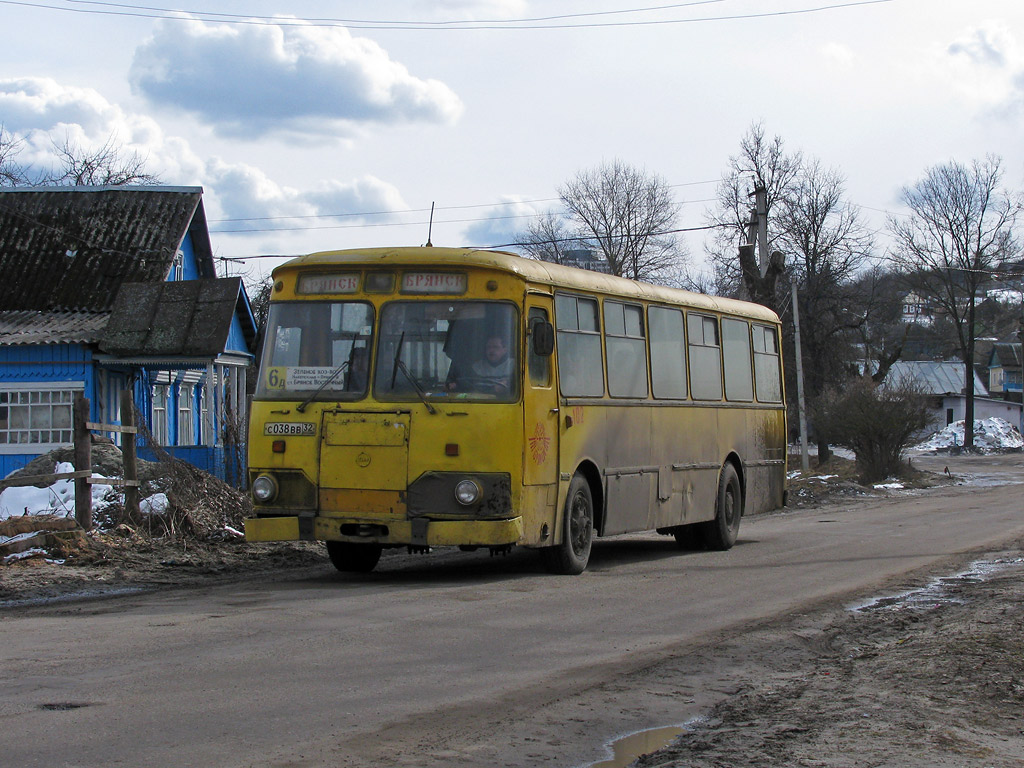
{"x": 688, "y": 537}
{"x": 353, "y": 558}
{"x": 571, "y": 556}
{"x": 721, "y": 533}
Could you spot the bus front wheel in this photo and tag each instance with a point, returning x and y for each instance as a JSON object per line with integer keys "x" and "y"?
{"x": 571, "y": 556}
{"x": 353, "y": 558}
{"x": 721, "y": 532}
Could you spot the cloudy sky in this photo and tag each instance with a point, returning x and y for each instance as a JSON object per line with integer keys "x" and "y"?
{"x": 340, "y": 125}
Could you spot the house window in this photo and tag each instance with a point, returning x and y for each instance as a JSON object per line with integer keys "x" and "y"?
{"x": 186, "y": 433}
{"x": 36, "y": 417}
{"x": 160, "y": 414}
{"x": 204, "y": 413}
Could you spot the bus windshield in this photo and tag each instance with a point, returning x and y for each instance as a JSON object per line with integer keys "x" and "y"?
{"x": 445, "y": 349}
{"x": 316, "y": 347}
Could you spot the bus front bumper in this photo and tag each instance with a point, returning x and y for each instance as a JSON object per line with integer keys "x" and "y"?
{"x": 417, "y": 532}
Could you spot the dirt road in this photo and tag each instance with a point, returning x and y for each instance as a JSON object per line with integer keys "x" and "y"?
{"x": 468, "y": 661}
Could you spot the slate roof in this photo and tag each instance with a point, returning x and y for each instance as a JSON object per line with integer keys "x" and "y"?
{"x": 936, "y": 378}
{"x": 1005, "y": 355}
{"x": 68, "y": 249}
{"x": 189, "y": 318}
{"x": 31, "y": 327}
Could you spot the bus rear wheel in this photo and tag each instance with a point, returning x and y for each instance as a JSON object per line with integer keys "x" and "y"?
{"x": 721, "y": 532}
{"x": 572, "y": 555}
{"x": 688, "y": 537}
{"x": 353, "y": 558}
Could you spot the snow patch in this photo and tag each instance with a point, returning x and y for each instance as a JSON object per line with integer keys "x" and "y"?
{"x": 992, "y": 434}
{"x": 59, "y": 498}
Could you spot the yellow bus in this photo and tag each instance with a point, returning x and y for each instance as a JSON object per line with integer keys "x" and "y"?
{"x": 429, "y": 397}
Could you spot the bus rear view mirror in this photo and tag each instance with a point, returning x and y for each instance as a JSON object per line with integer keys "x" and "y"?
{"x": 542, "y": 336}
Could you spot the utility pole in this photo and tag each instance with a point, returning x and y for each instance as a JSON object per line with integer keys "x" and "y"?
{"x": 761, "y": 211}
{"x": 804, "y": 461}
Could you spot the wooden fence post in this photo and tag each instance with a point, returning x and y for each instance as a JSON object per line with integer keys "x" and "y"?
{"x": 131, "y": 466}
{"x": 83, "y": 462}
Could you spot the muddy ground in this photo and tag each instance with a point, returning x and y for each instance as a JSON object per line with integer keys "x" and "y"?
{"x": 931, "y": 676}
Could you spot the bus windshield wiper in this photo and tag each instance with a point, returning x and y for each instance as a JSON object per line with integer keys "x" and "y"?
{"x": 301, "y": 408}
{"x": 399, "y": 365}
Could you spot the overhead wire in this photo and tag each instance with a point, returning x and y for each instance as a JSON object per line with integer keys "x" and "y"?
{"x": 171, "y": 15}
{"x": 446, "y": 22}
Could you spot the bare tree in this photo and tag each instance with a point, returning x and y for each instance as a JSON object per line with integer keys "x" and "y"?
{"x": 827, "y": 246}
{"x": 108, "y": 165}
{"x": 625, "y": 214}
{"x": 548, "y": 238}
{"x": 12, "y": 174}
{"x": 762, "y": 163}
{"x": 961, "y": 225}
{"x": 628, "y": 214}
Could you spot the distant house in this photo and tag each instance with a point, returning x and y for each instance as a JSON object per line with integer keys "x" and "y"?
{"x": 1004, "y": 370}
{"x": 945, "y": 385}
{"x": 917, "y": 310}
{"x": 104, "y": 289}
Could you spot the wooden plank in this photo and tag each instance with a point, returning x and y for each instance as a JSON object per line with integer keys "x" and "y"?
{"x": 118, "y": 481}
{"x": 111, "y": 428}
{"x": 20, "y": 482}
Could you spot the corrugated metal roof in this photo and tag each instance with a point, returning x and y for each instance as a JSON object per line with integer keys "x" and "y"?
{"x": 70, "y": 248}
{"x": 31, "y": 327}
{"x": 191, "y": 318}
{"x": 936, "y": 378}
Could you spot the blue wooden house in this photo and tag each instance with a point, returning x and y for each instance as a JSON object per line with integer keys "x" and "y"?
{"x": 104, "y": 289}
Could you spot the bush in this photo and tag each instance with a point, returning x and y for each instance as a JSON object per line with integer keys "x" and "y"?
{"x": 877, "y": 423}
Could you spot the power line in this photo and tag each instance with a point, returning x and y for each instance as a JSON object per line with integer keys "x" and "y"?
{"x": 213, "y": 16}
{"x": 383, "y": 223}
{"x": 424, "y": 210}
{"x": 552, "y": 241}
{"x": 172, "y": 15}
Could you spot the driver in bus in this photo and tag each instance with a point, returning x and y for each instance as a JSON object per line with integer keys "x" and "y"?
{"x": 492, "y": 373}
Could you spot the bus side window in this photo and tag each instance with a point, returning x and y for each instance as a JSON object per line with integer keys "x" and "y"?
{"x": 578, "y": 336}
{"x": 739, "y": 381}
{"x": 705, "y": 357}
{"x": 766, "y": 365}
{"x": 668, "y": 353}
{"x": 539, "y": 367}
{"x": 626, "y": 350}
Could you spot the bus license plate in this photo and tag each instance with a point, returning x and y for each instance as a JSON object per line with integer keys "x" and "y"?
{"x": 281, "y": 428}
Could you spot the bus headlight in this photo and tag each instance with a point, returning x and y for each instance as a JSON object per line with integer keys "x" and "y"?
{"x": 467, "y": 492}
{"x": 264, "y": 488}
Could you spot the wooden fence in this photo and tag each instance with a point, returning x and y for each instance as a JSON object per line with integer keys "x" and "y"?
{"x": 83, "y": 429}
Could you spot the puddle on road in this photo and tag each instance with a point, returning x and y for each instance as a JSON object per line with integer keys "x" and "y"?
{"x": 937, "y": 592}
{"x": 628, "y": 748}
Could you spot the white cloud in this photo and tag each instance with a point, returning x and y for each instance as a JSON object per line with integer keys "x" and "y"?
{"x": 503, "y": 224}
{"x": 838, "y": 53}
{"x": 251, "y": 81}
{"x": 986, "y": 65}
{"x": 246, "y": 192}
{"x": 42, "y": 112}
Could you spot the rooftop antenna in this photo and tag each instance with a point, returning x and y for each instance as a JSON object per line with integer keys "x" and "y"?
{"x": 430, "y": 226}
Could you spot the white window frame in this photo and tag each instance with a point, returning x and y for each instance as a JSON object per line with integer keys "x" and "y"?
{"x": 159, "y": 412}
{"x": 186, "y": 422}
{"x": 32, "y": 395}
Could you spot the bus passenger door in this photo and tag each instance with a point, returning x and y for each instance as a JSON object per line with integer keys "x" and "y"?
{"x": 540, "y": 429}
